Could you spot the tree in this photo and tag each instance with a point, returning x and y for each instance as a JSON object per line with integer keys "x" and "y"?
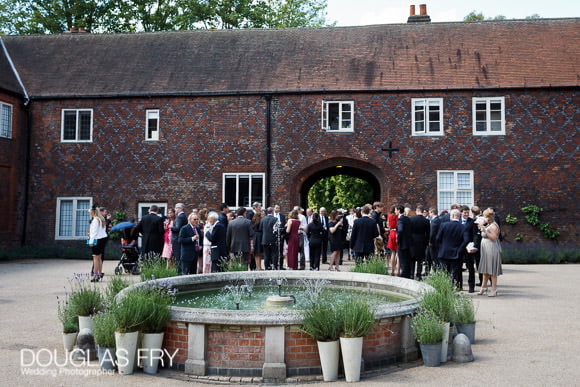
{"x": 340, "y": 192}
{"x": 55, "y": 16}
{"x": 473, "y": 16}
{"x": 52, "y": 16}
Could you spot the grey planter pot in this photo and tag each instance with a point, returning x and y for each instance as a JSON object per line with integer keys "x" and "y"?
{"x": 107, "y": 358}
{"x": 468, "y": 330}
{"x": 431, "y": 354}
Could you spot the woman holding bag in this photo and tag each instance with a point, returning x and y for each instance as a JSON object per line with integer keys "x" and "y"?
{"x": 490, "y": 261}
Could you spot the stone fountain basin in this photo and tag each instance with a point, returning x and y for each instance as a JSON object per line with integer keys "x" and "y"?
{"x": 269, "y": 344}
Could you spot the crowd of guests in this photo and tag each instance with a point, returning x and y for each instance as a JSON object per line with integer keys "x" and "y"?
{"x": 412, "y": 242}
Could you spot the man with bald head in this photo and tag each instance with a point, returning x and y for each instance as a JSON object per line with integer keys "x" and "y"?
{"x": 450, "y": 240}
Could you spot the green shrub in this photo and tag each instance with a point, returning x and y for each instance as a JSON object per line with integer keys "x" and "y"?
{"x": 85, "y": 299}
{"x": 357, "y": 317}
{"x": 323, "y": 323}
{"x": 427, "y": 327}
{"x": 67, "y": 316}
{"x": 152, "y": 266}
{"x": 375, "y": 264}
{"x": 442, "y": 300}
{"x": 129, "y": 313}
{"x": 104, "y": 329}
{"x": 235, "y": 264}
{"x": 539, "y": 254}
{"x": 464, "y": 310}
{"x": 115, "y": 286}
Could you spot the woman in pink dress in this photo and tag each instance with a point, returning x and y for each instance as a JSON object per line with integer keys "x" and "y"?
{"x": 292, "y": 227}
{"x": 167, "y": 249}
{"x": 392, "y": 243}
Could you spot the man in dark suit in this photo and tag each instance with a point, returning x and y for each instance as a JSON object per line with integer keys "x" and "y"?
{"x": 178, "y": 223}
{"x": 281, "y": 222}
{"x": 191, "y": 241}
{"x": 240, "y": 236}
{"x": 324, "y": 223}
{"x": 471, "y": 258}
{"x": 217, "y": 237}
{"x": 151, "y": 227}
{"x": 420, "y": 228}
{"x": 404, "y": 241}
{"x": 450, "y": 240}
{"x": 467, "y": 224}
{"x": 268, "y": 226}
{"x": 364, "y": 232}
{"x": 223, "y": 216}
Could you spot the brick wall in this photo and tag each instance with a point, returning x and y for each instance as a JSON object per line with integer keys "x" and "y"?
{"x": 235, "y": 346}
{"x": 203, "y": 137}
{"x": 13, "y": 173}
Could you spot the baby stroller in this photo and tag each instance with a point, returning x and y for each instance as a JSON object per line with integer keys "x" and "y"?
{"x": 129, "y": 261}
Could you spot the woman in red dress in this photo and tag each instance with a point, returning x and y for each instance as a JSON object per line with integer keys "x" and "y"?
{"x": 293, "y": 242}
{"x": 392, "y": 244}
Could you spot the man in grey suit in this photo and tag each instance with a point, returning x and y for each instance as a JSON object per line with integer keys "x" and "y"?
{"x": 268, "y": 224}
{"x": 364, "y": 232}
{"x": 240, "y": 236}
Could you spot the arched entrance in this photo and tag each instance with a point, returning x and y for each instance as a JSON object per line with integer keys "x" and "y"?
{"x": 334, "y": 167}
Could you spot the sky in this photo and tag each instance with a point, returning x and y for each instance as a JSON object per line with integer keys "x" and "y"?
{"x": 365, "y": 12}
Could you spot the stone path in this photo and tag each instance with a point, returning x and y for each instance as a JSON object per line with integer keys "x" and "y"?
{"x": 528, "y": 335}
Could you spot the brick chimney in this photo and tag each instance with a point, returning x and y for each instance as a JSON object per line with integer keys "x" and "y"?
{"x": 422, "y": 17}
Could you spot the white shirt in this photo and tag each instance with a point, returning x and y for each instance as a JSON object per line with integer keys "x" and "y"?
{"x": 97, "y": 231}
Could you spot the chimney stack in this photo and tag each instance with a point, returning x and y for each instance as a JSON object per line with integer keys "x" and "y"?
{"x": 422, "y": 17}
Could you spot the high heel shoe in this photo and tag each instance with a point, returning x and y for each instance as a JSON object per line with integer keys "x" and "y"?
{"x": 482, "y": 291}
{"x": 493, "y": 293}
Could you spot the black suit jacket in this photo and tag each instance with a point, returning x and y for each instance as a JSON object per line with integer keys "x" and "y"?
{"x": 178, "y": 223}
{"x": 404, "y": 233}
{"x": 268, "y": 223}
{"x": 364, "y": 232}
{"x": 189, "y": 252}
{"x": 151, "y": 227}
{"x": 217, "y": 236}
{"x": 450, "y": 240}
{"x": 420, "y": 228}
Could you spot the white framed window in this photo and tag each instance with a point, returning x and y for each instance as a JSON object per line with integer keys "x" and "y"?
{"x": 143, "y": 208}
{"x": 338, "y": 116}
{"x": 5, "y": 120}
{"x": 152, "y": 125}
{"x": 488, "y": 116}
{"x": 72, "y": 218}
{"x": 77, "y": 125}
{"x": 454, "y": 187}
{"x": 243, "y": 189}
{"x": 427, "y": 116}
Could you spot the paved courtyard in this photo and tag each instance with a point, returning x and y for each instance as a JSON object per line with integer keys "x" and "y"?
{"x": 528, "y": 335}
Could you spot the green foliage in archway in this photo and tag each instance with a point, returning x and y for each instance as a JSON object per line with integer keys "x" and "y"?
{"x": 340, "y": 191}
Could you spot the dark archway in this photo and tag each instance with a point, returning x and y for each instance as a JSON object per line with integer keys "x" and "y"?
{"x": 339, "y": 170}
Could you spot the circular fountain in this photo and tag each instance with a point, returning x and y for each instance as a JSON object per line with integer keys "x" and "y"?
{"x": 268, "y": 344}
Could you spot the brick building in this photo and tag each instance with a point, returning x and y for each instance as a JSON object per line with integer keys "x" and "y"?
{"x": 481, "y": 113}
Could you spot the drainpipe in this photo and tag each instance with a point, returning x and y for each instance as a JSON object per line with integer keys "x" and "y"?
{"x": 27, "y": 171}
{"x": 268, "y": 181}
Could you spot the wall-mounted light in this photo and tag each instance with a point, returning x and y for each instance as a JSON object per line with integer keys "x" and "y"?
{"x": 339, "y": 166}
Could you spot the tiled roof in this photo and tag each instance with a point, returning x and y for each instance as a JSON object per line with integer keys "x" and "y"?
{"x": 490, "y": 54}
{"x": 8, "y": 80}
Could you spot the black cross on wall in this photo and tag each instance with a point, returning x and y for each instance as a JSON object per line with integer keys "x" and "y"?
{"x": 390, "y": 149}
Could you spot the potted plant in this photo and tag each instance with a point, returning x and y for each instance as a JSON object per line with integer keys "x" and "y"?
{"x": 358, "y": 318}
{"x": 429, "y": 331}
{"x": 69, "y": 321}
{"x": 85, "y": 299}
{"x": 156, "y": 300}
{"x": 104, "y": 333}
{"x": 442, "y": 303}
{"x": 465, "y": 316}
{"x": 323, "y": 324}
{"x": 129, "y": 314}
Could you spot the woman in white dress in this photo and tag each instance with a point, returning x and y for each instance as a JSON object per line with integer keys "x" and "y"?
{"x": 490, "y": 262}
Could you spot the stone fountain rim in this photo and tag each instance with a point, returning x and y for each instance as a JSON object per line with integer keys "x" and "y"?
{"x": 285, "y": 317}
